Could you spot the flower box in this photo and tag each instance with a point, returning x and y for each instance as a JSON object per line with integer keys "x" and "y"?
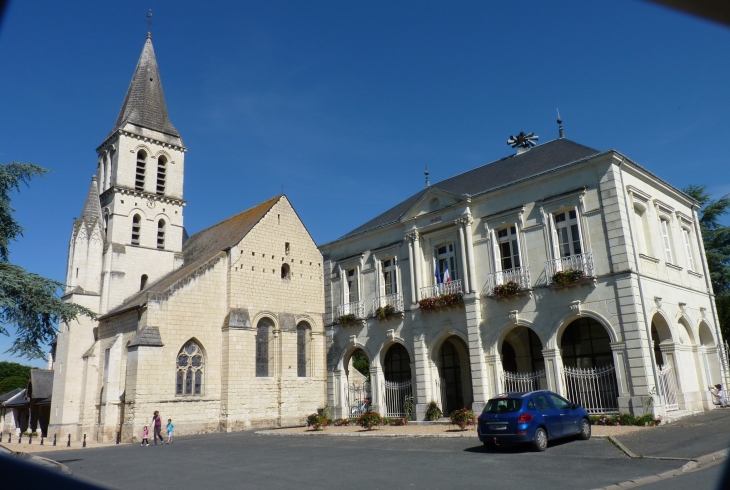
{"x": 443, "y": 301}
{"x": 385, "y": 313}
{"x": 348, "y": 320}
{"x": 568, "y": 277}
{"x": 507, "y": 290}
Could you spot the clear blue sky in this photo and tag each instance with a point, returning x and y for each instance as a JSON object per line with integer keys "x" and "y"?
{"x": 344, "y": 103}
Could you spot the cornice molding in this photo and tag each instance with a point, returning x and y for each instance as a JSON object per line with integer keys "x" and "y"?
{"x": 128, "y": 191}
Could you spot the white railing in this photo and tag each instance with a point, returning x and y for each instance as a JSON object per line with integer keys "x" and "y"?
{"x": 580, "y": 262}
{"x": 356, "y": 308}
{"x": 395, "y": 300}
{"x": 450, "y": 287}
{"x": 396, "y": 395}
{"x": 596, "y": 389}
{"x": 520, "y": 275}
{"x": 523, "y": 382}
{"x": 358, "y": 399}
{"x": 668, "y": 387}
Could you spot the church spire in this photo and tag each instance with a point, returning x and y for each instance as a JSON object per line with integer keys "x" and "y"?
{"x": 144, "y": 104}
{"x": 92, "y": 207}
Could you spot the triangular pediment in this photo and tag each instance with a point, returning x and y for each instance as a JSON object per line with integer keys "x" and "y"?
{"x": 433, "y": 200}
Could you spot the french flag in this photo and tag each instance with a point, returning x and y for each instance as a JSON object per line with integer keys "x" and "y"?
{"x": 447, "y": 276}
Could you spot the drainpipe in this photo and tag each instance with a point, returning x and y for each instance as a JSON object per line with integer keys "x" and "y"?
{"x": 647, "y": 324}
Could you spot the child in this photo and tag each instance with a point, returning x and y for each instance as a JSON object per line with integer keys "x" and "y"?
{"x": 145, "y": 434}
{"x": 170, "y": 428}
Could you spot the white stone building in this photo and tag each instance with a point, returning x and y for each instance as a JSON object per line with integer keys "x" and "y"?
{"x": 219, "y": 331}
{"x": 611, "y": 303}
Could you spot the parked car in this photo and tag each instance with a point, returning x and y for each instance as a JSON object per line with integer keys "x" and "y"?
{"x": 535, "y": 417}
{"x": 39, "y": 460}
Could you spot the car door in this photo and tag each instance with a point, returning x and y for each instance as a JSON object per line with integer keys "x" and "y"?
{"x": 550, "y": 415}
{"x": 571, "y": 422}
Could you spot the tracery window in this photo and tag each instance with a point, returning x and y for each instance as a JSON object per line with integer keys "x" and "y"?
{"x": 190, "y": 363}
{"x": 139, "y": 176}
{"x": 304, "y": 337}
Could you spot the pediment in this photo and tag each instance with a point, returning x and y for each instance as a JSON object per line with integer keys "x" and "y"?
{"x": 433, "y": 200}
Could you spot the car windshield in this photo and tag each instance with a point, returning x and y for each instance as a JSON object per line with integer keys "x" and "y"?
{"x": 503, "y": 405}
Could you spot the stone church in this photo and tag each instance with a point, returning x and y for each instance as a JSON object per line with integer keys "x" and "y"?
{"x": 219, "y": 331}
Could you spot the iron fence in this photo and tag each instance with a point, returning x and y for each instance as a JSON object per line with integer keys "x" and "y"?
{"x": 594, "y": 389}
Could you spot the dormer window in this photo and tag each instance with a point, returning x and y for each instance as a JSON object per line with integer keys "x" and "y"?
{"x": 139, "y": 176}
{"x": 161, "y": 171}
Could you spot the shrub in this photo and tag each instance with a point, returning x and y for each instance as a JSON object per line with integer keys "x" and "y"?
{"x": 506, "y": 290}
{"x": 394, "y": 421}
{"x": 569, "y": 276}
{"x": 369, "y": 420}
{"x": 317, "y": 421}
{"x": 443, "y": 301}
{"x": 626, "y": 419}
{"x": 463, "y": 418}
{"x": 342, "y": 422}
{"x": 385, "y": 312}
{"x": 348, "y": 319}
{"x": 433, "y": 411}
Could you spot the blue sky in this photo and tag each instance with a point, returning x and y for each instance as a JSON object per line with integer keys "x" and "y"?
{"x": 344, "y": 103}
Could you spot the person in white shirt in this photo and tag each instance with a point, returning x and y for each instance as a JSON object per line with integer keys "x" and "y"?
{"x": 719, "y": 395}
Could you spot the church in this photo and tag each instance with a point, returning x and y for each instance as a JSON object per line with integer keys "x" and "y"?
{"x": 219, "y": 331}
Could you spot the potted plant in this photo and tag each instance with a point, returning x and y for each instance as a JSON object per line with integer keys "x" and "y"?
{"x": 385, "y": 312}
{"x": 369, "y": 420}
{"x": 568, "y": 276}
{"x": 443, "y": 301}
{"x": 317, "y": 421}
{"x": 507, "y": 290}
{"x": 348, "y": 319}
{"x": 433, "y": 411}
{"x": 463, "y": 418}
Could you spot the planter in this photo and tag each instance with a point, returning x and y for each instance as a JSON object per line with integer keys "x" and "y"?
{"x": 385, "y": 313}
{"x": 507, "y": 290}
{"x": 463, "y": 418}
{"x": 568, "y": 277}
{"x": 348, "y": 320}
{"x": 442, "y": 301}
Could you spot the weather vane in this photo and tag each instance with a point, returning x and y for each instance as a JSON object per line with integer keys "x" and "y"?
{"x": 522, "y": 140}
{"x": 149, "y": 21}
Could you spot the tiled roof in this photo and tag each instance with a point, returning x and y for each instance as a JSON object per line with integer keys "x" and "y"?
{"x": 510, "y": 169}
{"x": 41, "y": 383}
{"x": 202, "y": 247}
{"x": 149, "y": 336}
{"x": 144, "y": 104}
{"x": 9, "y": 394}
{"x": 17, "y": 400}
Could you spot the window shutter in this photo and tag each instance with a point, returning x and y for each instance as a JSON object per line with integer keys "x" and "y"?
{"x": 554, "y": 237}
{"x": 665, "y": 240}
{"x": 688, "y": 247}
{"x": 345, "y": 291}
{"x": 519, "y": 246}
{"x": 495, "y": 252}
{"x": 396, "y": 276}
{"x": 580, "y": 231}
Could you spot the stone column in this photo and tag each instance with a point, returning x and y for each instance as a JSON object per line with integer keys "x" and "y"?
{"x": 493, "y": 376}
{"x": 462, "y": 249}
{"x": 376, "y": 385}
{"x": 470, "y": 254}
{"x": 422, "y": 392}
{"x": 476, "y": 352}
{"x": 554, "y": 370}
{"x": 411, "y": 266}
{"x": 417, "y": 262}
{"x": 619, "y": 361}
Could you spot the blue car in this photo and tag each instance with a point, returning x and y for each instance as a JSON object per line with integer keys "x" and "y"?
{"x": 534, "y": 417}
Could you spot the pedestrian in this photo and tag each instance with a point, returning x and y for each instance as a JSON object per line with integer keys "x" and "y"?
{"x": 170, "y": 428}
{"x": 145, "y": 435}
{"x": 719, "y": 395}
{"x": 157, "y": 422}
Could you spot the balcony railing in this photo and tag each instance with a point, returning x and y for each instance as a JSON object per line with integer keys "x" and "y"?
{"x": 439, "y": 289}
{"x": 396, "y": 300}
{"x": 356, "y": 308}
{"x": 520, "y": 275}
{"x": 580, "y": 262}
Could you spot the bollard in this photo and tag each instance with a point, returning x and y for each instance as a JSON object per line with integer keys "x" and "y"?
{"x": 30, "y": 438}
{"x": 54, "y": 439}
{"x": 84, "y": 441}
{"x": 119, "y": 436}
{"x": 9, "y": 436}
{"x": 20, "y": 436}
{"x": 41, "y": 439}
{"x": 68, "y": 443}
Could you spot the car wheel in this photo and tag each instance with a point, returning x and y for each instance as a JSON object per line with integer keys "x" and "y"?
{"x": 540, "y": 442}
{"x": 585, "y": 430}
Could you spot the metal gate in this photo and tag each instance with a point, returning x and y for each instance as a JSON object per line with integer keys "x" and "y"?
{"x": 523, "y": 382}
{"x": 358, "y": 399}
{"x": 594, "y": 389}
{"x": 668, "y": 387}
{"x": 396, "y": 395}
{"x": 440, "y": 395}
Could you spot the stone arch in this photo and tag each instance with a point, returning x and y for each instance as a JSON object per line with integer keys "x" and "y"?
{"x": 705, "y": 335}
{"x": 347, "y": 353}
{"x": 396, "y": 360}
{"x": 520, "y": 349}
{"x": 661, "y": 332}
{"x": 685, "y": 327}
{"x": 585, "y": 343}
{"x": 453, "y": 372}
{"x": 559, "y": 327}
{"x": 383, "y": 350}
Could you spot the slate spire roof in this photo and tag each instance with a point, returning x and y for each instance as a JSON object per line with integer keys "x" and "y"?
{"x": 144, "y": 104}
{"x": 92, "y": 207}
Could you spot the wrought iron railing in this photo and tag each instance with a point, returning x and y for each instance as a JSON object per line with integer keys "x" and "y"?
{"x": 579, "y": 262}
{"x": 668, "y": 387}
{"x": 450, "y": 287}
{"x": 359, "y": 398}
{"x": 396, "y": 397}
{"x": 395, "y": 300}
{"x": 523, "y": 382}
{"x": 594, "y": 389}
{"x": 356, "y": 308}
{"x": 520, "y": 275}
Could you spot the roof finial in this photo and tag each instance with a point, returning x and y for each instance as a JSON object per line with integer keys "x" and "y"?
{"x": 560, "y": 126}
{"x": 428, "y": 184}
{"x": 149, "y": 24}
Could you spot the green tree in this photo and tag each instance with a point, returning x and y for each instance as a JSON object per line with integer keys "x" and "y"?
{"x": 11, "y": 383}
{"x": 716, "y": 237}
{"x": 361, "y": 363}
{"x": 8, "y": 369}
{"x": 27, "y": 301}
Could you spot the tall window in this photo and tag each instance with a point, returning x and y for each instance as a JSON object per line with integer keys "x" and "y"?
{"x": 139, "y": 177}
{"x": 161, "y": 169}
{"x": 262, "y": 348}
{"x": 106, "y": 221}
{"x": 446, "y": 261}
{"x": 666, "y": 240}
{"x": 136, "y": 224}
{"x": 161, "y": 234}
{"x": 642, "y": 237}
{"x": 143, "y": 282}
{"x": 397, "y": 365}
{"x": 390, "y": 279}
{"x": 688, "y": 249}
{"x": 586, "y": 344}
{"x": 189, "y": 378}
{"x": 509, "y": 249}
{"x": 304, "y": 337}
{"x": 352, "y": 292}
{"x": 567, "y": 230}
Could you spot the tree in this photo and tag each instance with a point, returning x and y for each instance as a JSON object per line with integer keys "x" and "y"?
{"x": 28, "y": 301}
{"x": 716, "y": 238}
{"x": 8, "y": 369}
{"x": 11, "y": 383}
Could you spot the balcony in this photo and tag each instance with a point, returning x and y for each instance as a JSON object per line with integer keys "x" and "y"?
{"x": 395, "y": 300}
{"x": 520, "y": 275}
{"x": 439, "y": 289}
{"x": 356, "y": 308}
{"x": 581, "y": 263}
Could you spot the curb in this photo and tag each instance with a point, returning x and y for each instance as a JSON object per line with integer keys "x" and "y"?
{"x": 366, "y": 434}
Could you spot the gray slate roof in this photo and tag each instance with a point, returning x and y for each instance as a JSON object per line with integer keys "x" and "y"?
{"x": 144, "y": 104}
{"x": 9, "y": 394}
{"x": 149, "y": 336}
{"x": 92, "y": 207}
{"x": 17, "y": 400}
{"x": 41, "y": 383}
{"x": 510, "y": 169}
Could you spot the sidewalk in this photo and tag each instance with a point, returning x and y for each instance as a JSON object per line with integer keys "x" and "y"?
{"x": 35, "y": 446}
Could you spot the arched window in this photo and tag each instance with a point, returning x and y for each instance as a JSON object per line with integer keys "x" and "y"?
{"x": 304, "y": 337}
{"x": 136, "y": 224}
{"x": 263, "y": 330}
{"x": 586, "y": 344}
{"x": 143, "y": 282}
{"x": 397, "y": 365}
{"x": 106, "y": 221}
{"x": 161, "y": 169}
{"x": 139, "y": 177}
{"x": 161, "y": 234}
{"x": 190, "y": 364}
{"x": 285, "y": 271}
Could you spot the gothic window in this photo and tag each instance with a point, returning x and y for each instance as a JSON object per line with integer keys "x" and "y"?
{"x": 568, "y": 234}
{"x": 143, "y": 282}
{"x": 190, "y": 364}
{"x": 161, "y": 234}
{"x": 161, "y": 170}
{"x": 136, "y": 224}
{"x": 139, "y": 177}
{"x": 262, "y": 348}
{"x": 390, "y": 279}
{"x": 509, "y": 249}
{"x": 106, "y": 221}
{"x": 304, "y": 337}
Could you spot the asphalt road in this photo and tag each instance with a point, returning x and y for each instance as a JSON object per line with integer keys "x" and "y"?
{"x": 246, "y": 460}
